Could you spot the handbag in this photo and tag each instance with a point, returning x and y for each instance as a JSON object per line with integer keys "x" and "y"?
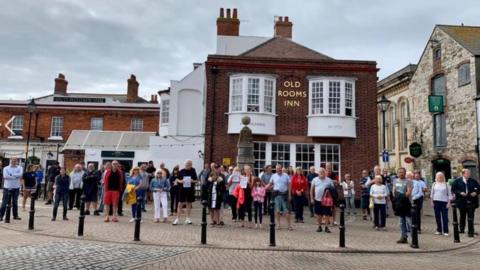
{"x": 327, "y": 199}
{"x": 371, "y": 203}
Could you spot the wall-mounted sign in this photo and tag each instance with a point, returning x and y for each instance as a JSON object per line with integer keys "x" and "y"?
{"x": 408, "y": 160}
{"x": 415, "y": 150}
{"x": 435, "y": 104}
{"x": 226, "y": 161}
{"x": 118, "y": 154}
{"x": 292, "y": 93}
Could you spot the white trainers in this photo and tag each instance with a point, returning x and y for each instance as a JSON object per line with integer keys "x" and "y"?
{"x": 188, "y": 221}
{"x": 175, "y": 222}
{"x": 446, "y": 234}
{"x": 438, "y": 233}
{"x": 131, "y": 220}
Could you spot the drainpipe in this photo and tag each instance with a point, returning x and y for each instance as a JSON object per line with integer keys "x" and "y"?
{"x": 214, "y": 71}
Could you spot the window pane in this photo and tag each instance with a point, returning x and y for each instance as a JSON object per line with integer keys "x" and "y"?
{"x": 464, "y": 74}
{"x": 17, "y": 125}
{"x": 253, "y": 98}
{"x": 334, "y": 97}
{"x": 305, "y": 156}
{"x": 57, "y": 126}
{"x": 237, "y": 95}
{"x": 440, "y": 131}
{"x": 96, "y": 123}
{"x": 330, "y": 153}
{"x": 268, "y": 96}
{"x": 137, "y": 124}
{"x": 438, "y": 85}
{"x": 348, "y": 98}
{"x": 317, "y": 98}
{"x": 281, "y": 154}
{"x": 165, "y": 111}
{"x": 259, "y": 154}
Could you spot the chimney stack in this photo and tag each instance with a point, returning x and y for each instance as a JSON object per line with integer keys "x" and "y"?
{"x": 132, "y": 89}
{"x": 153, "y": 99}
{"x": 229, "y": 25}
{"x": 60, "y": 85}
{"x": 283, "y": 27}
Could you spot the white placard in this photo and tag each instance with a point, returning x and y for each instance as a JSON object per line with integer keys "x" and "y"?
{"x": 243, "y": 182}
{"x": 187, "y": 182}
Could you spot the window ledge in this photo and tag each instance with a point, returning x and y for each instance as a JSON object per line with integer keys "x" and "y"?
{"x": 164, "y": 124}
{"x": 331, "y": 116}
{"x": 256, "y": 113}
{"x": 15, "y": 137}
{"x": 464, "y": 84}
{"x": 55, "y": 138}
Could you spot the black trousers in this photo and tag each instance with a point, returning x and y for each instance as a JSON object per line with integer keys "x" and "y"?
{"x": 464, "y": 214}
{"x": 246, "y": 207}
{"x": 233, "y": 206}
{"x": 266, "y": 202}
{"x": 173, "y": 200}
{"x": 74, "y": 198}
{"x": 419, "y": 203}
{"x": 298, "y": 202}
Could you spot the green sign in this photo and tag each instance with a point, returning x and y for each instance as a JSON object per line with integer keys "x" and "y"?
{"x": 435, "y": 104}
{"x": 415, "y": 150}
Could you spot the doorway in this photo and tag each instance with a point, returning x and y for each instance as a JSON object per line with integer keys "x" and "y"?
{"x": 442, "y": 165}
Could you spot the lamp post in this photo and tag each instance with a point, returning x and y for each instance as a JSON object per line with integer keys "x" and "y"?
{"x": 383, "y": 104}
{"x": 31, "y": 107}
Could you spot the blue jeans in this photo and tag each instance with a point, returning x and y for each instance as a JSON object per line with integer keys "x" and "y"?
{"x": 139, "y": 193}
{"x": 350, "y": 205}
{"x": 6, "y": 192}
{"x": 441, "y": 216}
{"x": 65, "y": 199}
{"x": 379, "y": 215}
{"x": 405, "y": 224}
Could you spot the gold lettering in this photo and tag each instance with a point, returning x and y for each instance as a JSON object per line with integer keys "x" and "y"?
{"x": 297, "y": 84}
{"x": 280, "y": 93}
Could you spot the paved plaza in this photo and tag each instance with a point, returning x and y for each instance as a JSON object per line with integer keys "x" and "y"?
{"x": 163, "y": 246}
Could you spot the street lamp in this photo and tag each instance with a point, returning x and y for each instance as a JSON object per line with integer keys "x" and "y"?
{"x": 383, "y": 105}
{"x": 31, "y": 107}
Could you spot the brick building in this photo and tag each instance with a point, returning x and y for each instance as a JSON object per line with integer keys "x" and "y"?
{"x": 306, "y": 108}
{"x": 62, "y": 112}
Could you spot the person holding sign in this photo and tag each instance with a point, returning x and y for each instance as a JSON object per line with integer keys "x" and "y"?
{"x": 243, "y": 193}
{"x": 187, "y": 178}
{"x": 232, "y": 183}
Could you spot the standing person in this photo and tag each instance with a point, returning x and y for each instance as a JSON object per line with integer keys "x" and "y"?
{"x": 466, "y": 191}
{"x": 12, "y": 175}
{"x": 135, "y": 179}
{"x": 28, "y": 185}
{"x": 232, "y": 183}
{"x": 160, "y": 186}
{"x": 224, "y": 173}
{"x": 258, "y": 195}
{"x": 151, "y": 174}
{"x": 53, "y": 171}
{"x": 365, "y": 183}
{"x": 266, "y": 176}
{"x": 440, "y": 199}
{"x": 62, "y": 190}
{"x": 203, "y": 175}
{"x": 348, "y": 186}
{"x": 378, "y": 193}
{"x": 102, "y": 172}
{"x": 281, "y": 193}
{"x": 419, "y": 187}
{"x": 388, "y": 181}
{"x": 187, "y": 178}
{"x": 39, "y": 179}
{"x": 321, "y": 186}
{"x": 174, "y": 190}
{"x": 336, "y": 184}
{"x": 144, "y": 184}
{"x": 91, "y": 179}
{"x": 402, "y": 189}
{"x": 215, "y": 187}
{"x": 112, "y": 187}
{"x": 310, "y": 176}
{"x": 299, "y": 193}
{"x": 76, "y": 187}
{"x": 245, "y": 188}
{"x": 163, "y": 168}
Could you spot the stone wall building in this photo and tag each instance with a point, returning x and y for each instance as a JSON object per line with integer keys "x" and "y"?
{"x": 448, "y": 67}
{"x": 398, "y": 134}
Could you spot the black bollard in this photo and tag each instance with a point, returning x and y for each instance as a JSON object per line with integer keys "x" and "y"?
{"x": 470, "y": 218}
{"x": 138, "y": 220}
{"x": 9, "y": 205}
{"x": 456, "y": 234}
{"x": 81, "y": 217}
{"x": 414, "y": 227}
{"x": 272, "y": 223}
{"x": 342, "y": 225}
{"x": 31, "y": 218}
{"x": 203, "y": 239}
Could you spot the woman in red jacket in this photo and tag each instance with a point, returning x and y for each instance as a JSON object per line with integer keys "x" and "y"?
{"x": 299, "y": 192}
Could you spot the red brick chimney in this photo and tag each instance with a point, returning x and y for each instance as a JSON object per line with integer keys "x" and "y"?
{"x": 228, "y": 25}
{"x": 153, "y": 99}
{"x": 60, "y": 85}
{"x": 132, "y": 89}
{"x": 283, "y": 27}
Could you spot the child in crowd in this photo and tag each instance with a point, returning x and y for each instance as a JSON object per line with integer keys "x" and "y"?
{"x": 258, "y": 195}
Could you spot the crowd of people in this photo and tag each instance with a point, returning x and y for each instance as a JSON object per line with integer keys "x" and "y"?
{"x": 321, "y": 190}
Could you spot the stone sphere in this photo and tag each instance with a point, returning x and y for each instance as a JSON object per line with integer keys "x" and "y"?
{"x": 246, "y": 120}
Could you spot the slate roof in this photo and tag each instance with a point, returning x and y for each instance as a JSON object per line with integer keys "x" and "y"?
{"x": 467, "y": 36}
{"x": 278, "y": 47}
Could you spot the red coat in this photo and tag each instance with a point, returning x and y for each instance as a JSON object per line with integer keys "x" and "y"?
{"x": 299, "y": 183}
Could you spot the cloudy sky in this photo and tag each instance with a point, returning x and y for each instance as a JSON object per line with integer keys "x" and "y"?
{"x": 98, "y": 44}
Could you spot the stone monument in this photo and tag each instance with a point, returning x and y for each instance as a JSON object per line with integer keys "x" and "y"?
{"x": 245, "y": 145}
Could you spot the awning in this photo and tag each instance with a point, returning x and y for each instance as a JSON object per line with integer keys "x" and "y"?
{"x": 108, "y": 140}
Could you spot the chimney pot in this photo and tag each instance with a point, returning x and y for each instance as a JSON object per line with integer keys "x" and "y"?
{"x": 60, "y": 85}
{"x": 285, "y": 19}
{"x": 228, "y": 13}
{"x": 132, "y": 89}
{"x": 222, "y": 14}
{"x": 228, "y": 25}
{"x": 235, "y": 13}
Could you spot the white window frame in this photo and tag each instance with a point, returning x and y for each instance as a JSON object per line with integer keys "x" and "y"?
{"x": 94, "y": 123}
{"x": 245, "y": 81}
{"x": 57, "y": 126}
{"x": 17, "y": 125}
{"x": 325, "y": 81}
{"x": 136, "y": 124}
{"x": 316, "y": 94}
{"x": 165, "y": 112}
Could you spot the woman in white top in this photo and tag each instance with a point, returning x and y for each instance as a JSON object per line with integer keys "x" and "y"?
{"x": 378, "y": 193}
{"x": 348, "y": 186}
{"x": 440, "y": 199}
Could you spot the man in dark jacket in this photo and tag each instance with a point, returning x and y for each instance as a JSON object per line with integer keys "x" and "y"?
{"x": 466, "y": 192}
{"x": 52, "y": 173}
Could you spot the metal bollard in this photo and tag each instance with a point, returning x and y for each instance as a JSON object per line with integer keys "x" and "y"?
{"x": 272, "y": 223}
{"x": 9, "y": 205}
{"x": 470, "y": 218}
{"x": 342, "y": 225}
{"x": 456, "y": 234}
{"x": 203, "y": 239}
{"x": 31, "y": 218}
{"x": 81, "y": 217}
{"x": 414, "y": 227}
{"x": 138, "y": 220}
